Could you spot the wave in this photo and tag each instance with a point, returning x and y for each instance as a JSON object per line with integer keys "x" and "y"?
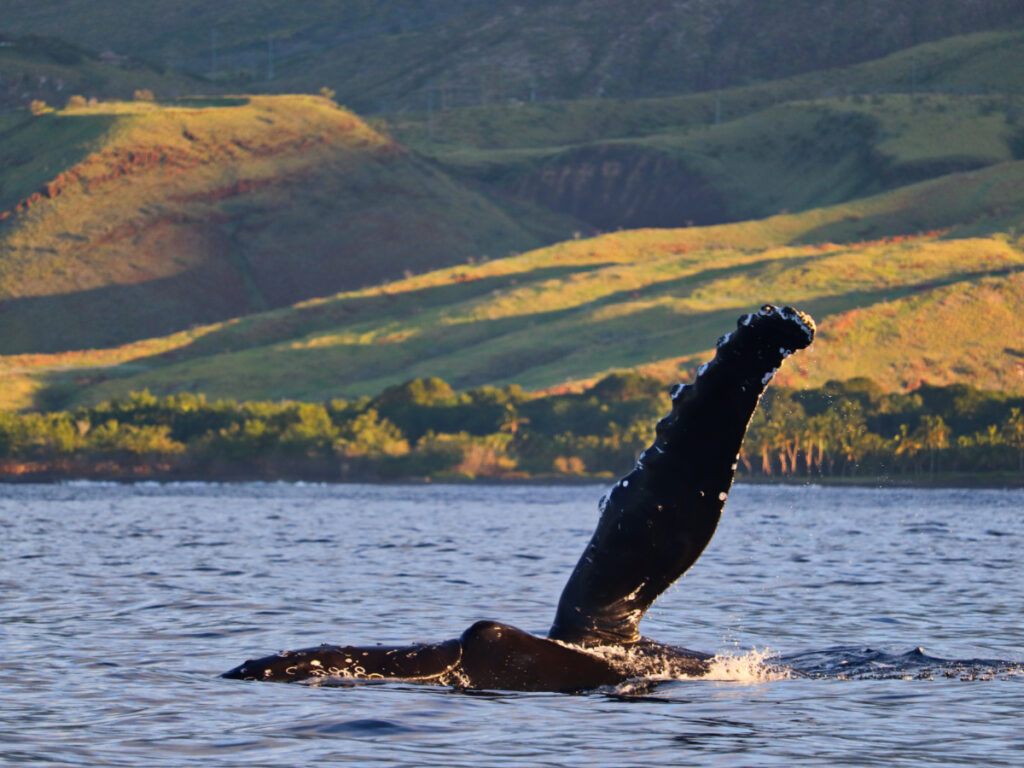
{"x": 760, "y": 666}
{"x": 862, "y": 663}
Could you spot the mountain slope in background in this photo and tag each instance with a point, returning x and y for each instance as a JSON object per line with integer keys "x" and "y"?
{"x": 180, "y": 245}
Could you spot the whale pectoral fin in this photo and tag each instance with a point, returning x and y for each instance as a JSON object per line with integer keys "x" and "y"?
{"x": 411, "y": 662}
{"x": 502, "y": 657}
{"x": 657, "y": 520}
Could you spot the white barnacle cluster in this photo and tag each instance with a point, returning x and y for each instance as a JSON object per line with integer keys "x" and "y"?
{"x": 724, "y": 340}
{"x": 702, "y": 369}
{"x": 768, "y": 377}
{"x": 677, "y": 391}
{"x": 805, "y": 321}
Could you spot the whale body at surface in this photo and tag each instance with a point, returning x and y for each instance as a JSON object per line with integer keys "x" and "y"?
{"x": 654, "y": 524}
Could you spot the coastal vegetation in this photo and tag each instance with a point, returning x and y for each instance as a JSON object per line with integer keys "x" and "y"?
{"x": 423, "y": 429}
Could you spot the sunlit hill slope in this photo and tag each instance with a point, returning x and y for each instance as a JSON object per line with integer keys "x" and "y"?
{"x": 942, "y": 301}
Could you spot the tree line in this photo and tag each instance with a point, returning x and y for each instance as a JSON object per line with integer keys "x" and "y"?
{"x": 423, "y": 428}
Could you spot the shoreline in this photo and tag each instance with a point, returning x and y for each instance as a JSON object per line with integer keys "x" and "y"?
{"x": 148, "y": 474}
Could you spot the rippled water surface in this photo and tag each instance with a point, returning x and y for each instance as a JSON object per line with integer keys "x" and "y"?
{"x": 899, "y": 612}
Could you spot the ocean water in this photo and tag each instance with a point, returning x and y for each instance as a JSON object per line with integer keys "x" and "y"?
{"x": 855, "y": 627}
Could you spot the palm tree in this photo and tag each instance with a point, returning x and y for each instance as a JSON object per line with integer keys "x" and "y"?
{"x": 511, "y": 421}
{"x": 852, "y": 432}
{"x": 908, "y": 446}
{"x": 1013, "y": 434}
{"x": 934, "y": 436}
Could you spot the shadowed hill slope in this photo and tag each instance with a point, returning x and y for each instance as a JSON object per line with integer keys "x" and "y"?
{"x": 182, "y": 245}
{"x": 125, "y": 220}
{"x": 976, "y": 64}
{"x": 485, "y": 51}
{"x": 53, "y": 70}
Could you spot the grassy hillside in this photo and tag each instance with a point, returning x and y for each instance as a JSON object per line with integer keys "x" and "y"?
{"x": 942, "y": 302}
{"x": 124, "y": 220}
{"x": 792, "y": 156}
{"x": 471, "y": 51}
{"x": 746, "y": 152}
{"x": 981, "y": 64}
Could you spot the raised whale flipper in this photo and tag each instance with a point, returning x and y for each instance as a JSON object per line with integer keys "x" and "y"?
{"x": 657, "y": 520}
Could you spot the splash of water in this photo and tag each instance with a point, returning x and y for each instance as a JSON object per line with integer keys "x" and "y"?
{"x": 743, "y": 667}
{"x": 751, "y": 667}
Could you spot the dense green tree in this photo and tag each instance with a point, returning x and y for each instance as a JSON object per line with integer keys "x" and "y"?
{"x": 113, "y": 437}
{"x": 370, "y": 435}
{"x": 310, "y": 433}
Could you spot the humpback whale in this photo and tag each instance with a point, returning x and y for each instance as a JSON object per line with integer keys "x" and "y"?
{"x": 654, "y": 524}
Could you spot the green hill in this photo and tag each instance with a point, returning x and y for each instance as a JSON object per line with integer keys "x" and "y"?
{"x": 120, "y": 221}
{"x": 745, "y": 152}
{"x": 792, "y": 156}
{"x": 917, "y": 284}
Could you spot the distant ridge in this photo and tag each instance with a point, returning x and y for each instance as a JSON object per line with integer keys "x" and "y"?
{"x": 401, "y": 54}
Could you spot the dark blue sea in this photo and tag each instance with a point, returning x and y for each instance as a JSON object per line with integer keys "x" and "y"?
{"x": 855, "y": 627}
